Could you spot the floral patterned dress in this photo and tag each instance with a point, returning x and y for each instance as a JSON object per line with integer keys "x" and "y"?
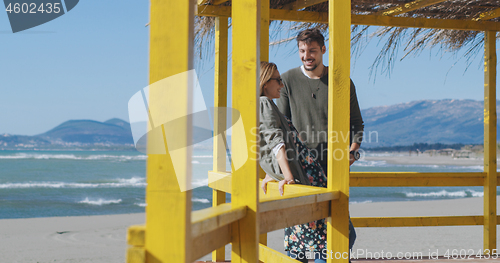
{"x": 310, "y": 236}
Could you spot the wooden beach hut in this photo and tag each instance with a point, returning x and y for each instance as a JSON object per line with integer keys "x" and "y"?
{"x": 173, "y": 233}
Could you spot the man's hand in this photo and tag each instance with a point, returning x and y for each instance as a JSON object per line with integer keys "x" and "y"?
{"x": 354, "y": 147}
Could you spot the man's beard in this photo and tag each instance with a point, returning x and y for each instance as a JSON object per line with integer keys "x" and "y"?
{"x": 314, "y": 66}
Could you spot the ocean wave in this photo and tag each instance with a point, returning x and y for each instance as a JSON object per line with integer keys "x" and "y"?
{"x": 46, "y": 156}
{"x": 140, "y": 204}
{"x": 132, "y": 182}
{"x": 202, "y": 156}
{"x": 100, "y": 201}
{"x": 365, "y": 163}
{"x": 384, "y": 154}
{"x": 200, "y": 182}
{"x": 444, "y": 193}
{"x": 360, "y": 202}
{"x": 200, "y": 200}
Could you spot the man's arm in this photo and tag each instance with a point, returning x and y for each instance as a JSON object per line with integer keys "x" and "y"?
{"x": 356, "y": 123}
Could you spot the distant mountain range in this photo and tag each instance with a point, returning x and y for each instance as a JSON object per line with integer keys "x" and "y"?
{"x": 78, "y": 134}
{"x": 114, "y": 131}
{"x": 427, "y": 121}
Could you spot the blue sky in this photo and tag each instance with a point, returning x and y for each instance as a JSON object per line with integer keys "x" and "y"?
{"x": 88, "y": 63}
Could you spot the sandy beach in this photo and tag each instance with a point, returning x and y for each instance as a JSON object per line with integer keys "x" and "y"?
{"x": 103, "y": 238}
{"x": 66, "y": 239}
{"x": 424, "y": 159}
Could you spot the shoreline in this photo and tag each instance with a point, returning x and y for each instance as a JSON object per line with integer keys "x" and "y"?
{"x": 102, "y": 238}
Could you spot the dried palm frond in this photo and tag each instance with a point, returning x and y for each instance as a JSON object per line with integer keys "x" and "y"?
{"x": 411, "y": 40}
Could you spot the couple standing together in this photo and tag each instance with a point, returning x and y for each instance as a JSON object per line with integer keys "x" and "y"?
{"x": 302, "y": 99}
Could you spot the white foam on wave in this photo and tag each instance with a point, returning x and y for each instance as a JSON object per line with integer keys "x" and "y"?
{"x": 383, "y": 154}
{"x": 361, "y": 202}
{"x": 200, "y": 182}
{"x": 366, "y": 163}
{"x": 444, "y": 193}
{"x": 100, "y": 201}
{"x": 47, "y": 156}
{"x": 200, "y": 200}
{"x": 472, "y": 167}
{"x": 132, "y": 182}
{"x": 141, "y": 204}
{"x": 202, "y": 156}
{"x": 421, "y": 165}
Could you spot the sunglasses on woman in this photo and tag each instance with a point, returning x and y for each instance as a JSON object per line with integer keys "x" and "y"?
{"x": 280, "y": 81}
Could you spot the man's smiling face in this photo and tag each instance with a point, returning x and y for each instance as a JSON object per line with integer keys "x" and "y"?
{"x": 311, "y": 54}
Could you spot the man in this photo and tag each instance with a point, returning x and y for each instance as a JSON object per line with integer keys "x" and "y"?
{"x": 304, "y": 100}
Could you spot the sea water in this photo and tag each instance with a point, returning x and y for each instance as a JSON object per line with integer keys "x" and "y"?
{"x": 74, "y": 183}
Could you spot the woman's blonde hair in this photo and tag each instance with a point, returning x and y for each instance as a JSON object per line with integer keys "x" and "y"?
{"x": 267, "y": 70}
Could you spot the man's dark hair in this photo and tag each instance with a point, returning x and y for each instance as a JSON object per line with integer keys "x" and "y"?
{"x": 310, "y": 35}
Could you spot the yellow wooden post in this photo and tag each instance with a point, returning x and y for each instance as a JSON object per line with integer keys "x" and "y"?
{"x": 264, "y": 30}
{"x": 171, "y": 53}
{"x": 338, "y": 122}
{"x": 264, "y": 56}
{"x": 490, "y": 142}
{"x": 245, "y": 70}
{"x": 220, "y": 97}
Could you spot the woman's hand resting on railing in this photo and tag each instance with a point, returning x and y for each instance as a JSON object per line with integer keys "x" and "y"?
{"x": 282, "y": 184}
{"x": 264, "y": 183}
{"x": 287, "y": 180}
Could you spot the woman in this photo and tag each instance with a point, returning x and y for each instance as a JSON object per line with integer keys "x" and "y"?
{"x": 286, "y": 159}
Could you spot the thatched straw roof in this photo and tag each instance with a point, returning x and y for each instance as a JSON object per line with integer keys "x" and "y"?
{"x": 412, "y": 40}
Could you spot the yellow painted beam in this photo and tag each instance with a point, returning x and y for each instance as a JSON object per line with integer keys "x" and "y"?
{"x": 218, "y": 198}
{"x": 219, "y": 2}
{"x": 417, "y": 221}
{"x": 288, "y": 201}
{"x": 220, "y": 116}
{"x": 339, "y": 21}
{"x": 207, "y": 242}
{"x": 488, "y": 15}
{"x": 264, "y": 31}
{"x": 300, "y": 4}
{"x": 370, "y": 20}
{"x": 388, "y": 179}
{"x": 267, "y": 254}
{"x": 286, "y": 217}
{"x": 222, "y": 181}
{"x": 490, "y": 142}
{"x": 407, "y": 175}
{"x": 136, "y": 255}
{"x": 264, "y": 56}
{"x": 220, "y": 92}
{"x": 209, "y": 219}
{"x": 245, "y": 69}
{"x": 289, "y": 190}
{"x": 163, "y": 195}
{"x": 454, "y": 24}
{"x": 403, "y": 8}
{"x": 412, "y": 181}
{"x": 136, "y": 235}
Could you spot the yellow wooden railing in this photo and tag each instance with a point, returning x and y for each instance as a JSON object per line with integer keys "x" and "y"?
{"x": 173, "y": 233}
